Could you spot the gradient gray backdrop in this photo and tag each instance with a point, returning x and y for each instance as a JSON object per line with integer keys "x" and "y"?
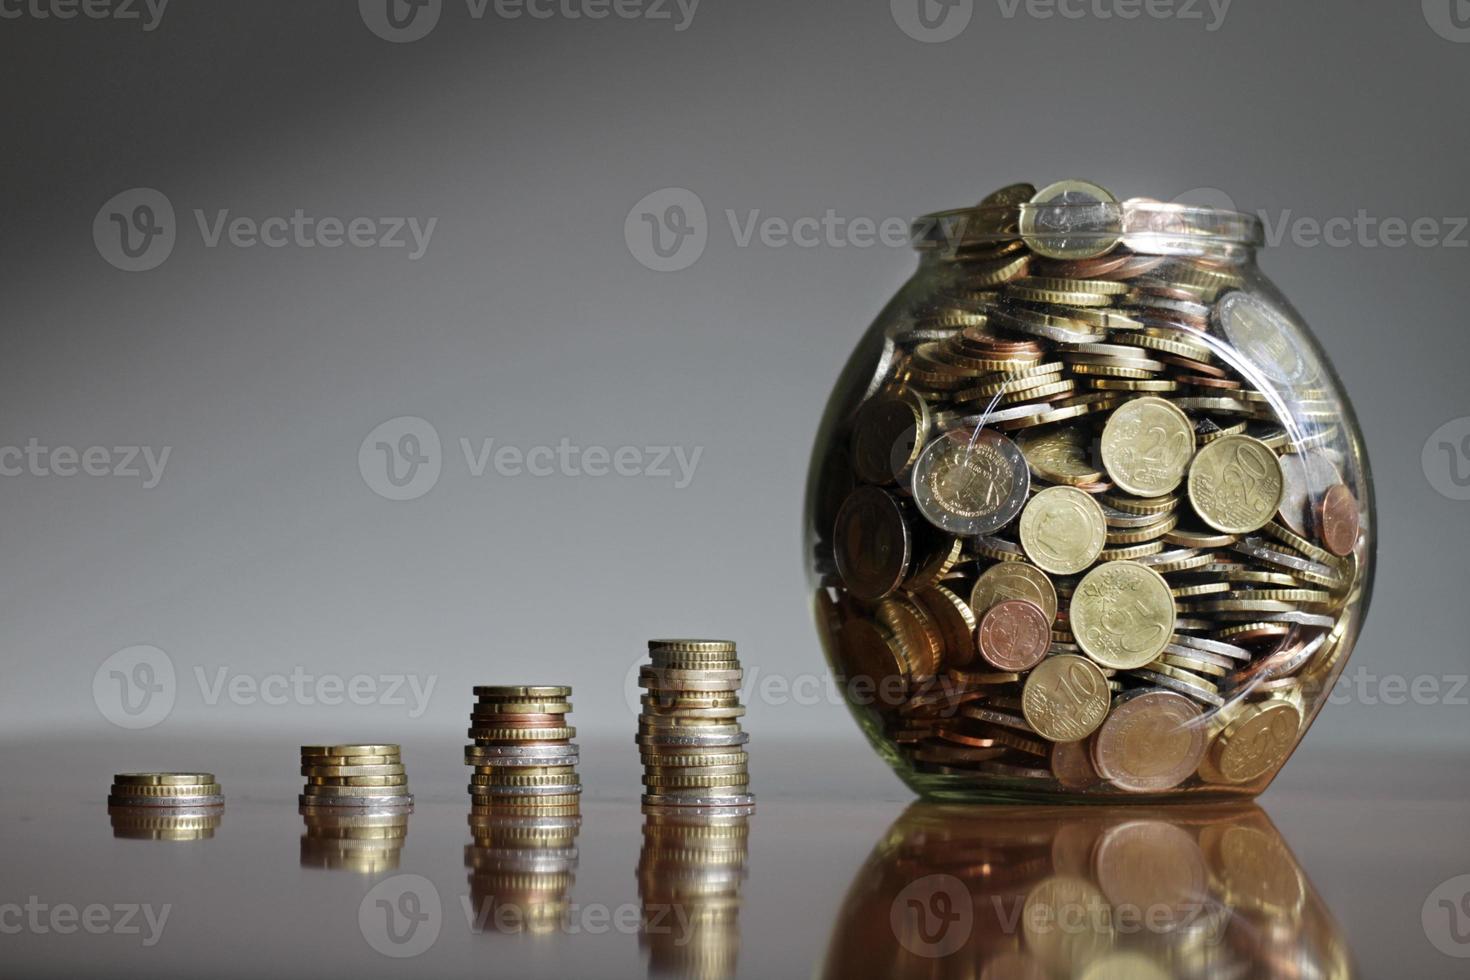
{"x": 529, "y": 320}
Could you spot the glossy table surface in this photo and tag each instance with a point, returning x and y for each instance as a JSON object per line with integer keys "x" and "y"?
{"x": 1346, "y": 868}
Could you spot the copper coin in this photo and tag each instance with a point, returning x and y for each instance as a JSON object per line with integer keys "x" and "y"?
{"x": 1339, "y": 520}
{"x": 1151, "y": 742}
{"x": 1014, "y": 635}
{"x": 872, "y": 543}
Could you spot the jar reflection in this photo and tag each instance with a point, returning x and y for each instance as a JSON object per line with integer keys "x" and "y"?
{"x": 1134, "y": 893}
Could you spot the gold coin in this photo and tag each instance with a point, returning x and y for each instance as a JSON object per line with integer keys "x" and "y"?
{"x": 1122, "y": 614}
{"x": 888, "y": 434}
{"x": 872, "y": 543}
{"x": 1071, "y": 219}
{"x": 523, "y": 692}
{"x": 163, "y": 779}
{"x": 1063, "y": 530}
{"x": 1256, "y": 741}
{"x": 398, "y": 780}
{"x": 1146, "y": 445}
{"x": 350, "y": 750}
{"x": 1065, "y": 698}
{"x": 1062, "y": 455}
{"x": 1014, "y": 580}
{"x": 1235, "y": 484}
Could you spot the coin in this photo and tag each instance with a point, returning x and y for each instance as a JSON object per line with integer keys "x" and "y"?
{"x": 1235, "y": 484}
{"x": 1146, "y": 446}
{"x": 1063, "y": 530}
{"x": 1071, "y": 219}
{"x": 523, "y": 692}
{"x": 1014, "y": 580}
{"x": 1014, "y": 635}
{"x": 872, "y": 542}
{"x": 971, "y": 484}
{"x": 1065, "y": 698}
{"x": 1122, "y": 614}
{"x": 1339, "y": 520}
{"x": 1263, "y": 336}
{"x": 889, "y": 433}
{"x": 163, "y": 779}
{"x": 1255, "y": 742}
{"x": 1151, "y": 742}
{"x": 350, "y": 750}
{"x": 1061, "y": 455}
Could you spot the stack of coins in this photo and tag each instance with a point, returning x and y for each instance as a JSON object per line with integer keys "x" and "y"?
{"x": 174, "y": 824}
{"x": 690, "y": 873}
{"x": 166, "y": 789}
{"x": 522, "y": 751}
{"x": 1091, "y": 491}
{"x": 689, "y": 730}
{"x": 365, "y": 841}
{"x": 521, "y": 869}
{"x": 364, "y": 775}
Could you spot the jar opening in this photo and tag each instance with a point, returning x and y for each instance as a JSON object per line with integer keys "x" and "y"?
{"x": 1090, "y": 229}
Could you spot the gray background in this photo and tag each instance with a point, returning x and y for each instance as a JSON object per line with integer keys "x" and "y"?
{"x": 529, "y": 320}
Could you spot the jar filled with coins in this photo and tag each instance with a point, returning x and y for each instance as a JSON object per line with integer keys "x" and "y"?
{"x": 1089, "y": 515}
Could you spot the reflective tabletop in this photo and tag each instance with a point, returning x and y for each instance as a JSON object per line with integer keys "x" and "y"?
{"x": 1351, "y": 865}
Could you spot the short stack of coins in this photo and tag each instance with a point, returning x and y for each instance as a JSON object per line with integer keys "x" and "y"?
{"x": 365, "y": 841}
{"x": 165, "y": 789}
{"x": 522, "y": 751}
{"x": 360, "y": 775}
{"x": 1091, "y": 491}
{"x": 690, "y": 874}
{"x": 521, "y": 869}
{"x": 689, "y": 732}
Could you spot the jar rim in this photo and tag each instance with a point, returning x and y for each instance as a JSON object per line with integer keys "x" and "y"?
{"x": 1141, "y": 224}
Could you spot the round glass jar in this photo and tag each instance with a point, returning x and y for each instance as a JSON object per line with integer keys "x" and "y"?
{"x": 1088, "y": 515}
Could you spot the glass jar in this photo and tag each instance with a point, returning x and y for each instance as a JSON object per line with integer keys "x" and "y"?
{"x": 1088, "y": 515}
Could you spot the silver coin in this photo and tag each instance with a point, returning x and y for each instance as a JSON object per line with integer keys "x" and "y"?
{"x": 356, "y": 802}
{"x": 1072, "y": 219}
{"x": 732, "y": 810}
{"x": 172, "y": 802}
{"x": 665, "y": 799}
{"x": 971, "y": 483}
{"x": 1263, "y": 337}
{"x": 1211, "y": 646}
{"x": 538, "y": 751}
{"x": 670, "y": 739}
{"x": 521, "y": 762}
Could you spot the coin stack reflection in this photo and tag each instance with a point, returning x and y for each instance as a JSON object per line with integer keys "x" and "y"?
{"x": 354, "y": 840}
{"x": 172, "y": 824}
{"x": 165, "y": 789}
{"x": 689, "y": 731}
{"x": 522, "y": 750}
{"x": 522, "y": 866}
{"x": 690, "y": 872}
{"x": 354, "y": 775}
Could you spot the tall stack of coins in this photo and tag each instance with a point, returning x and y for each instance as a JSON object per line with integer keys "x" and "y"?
{"x": 690, "y": 873}
{"x": 172, "y": 824}
{"x": 165, "y": 789}
{"x": 365, "y": 841}
{"x": 521, "y": 870}
{"x": 689, "y": 730}
{"x": 360, "y": 775}
{"x": 522, "y": 750}
{"x": 1090, "y": 530}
